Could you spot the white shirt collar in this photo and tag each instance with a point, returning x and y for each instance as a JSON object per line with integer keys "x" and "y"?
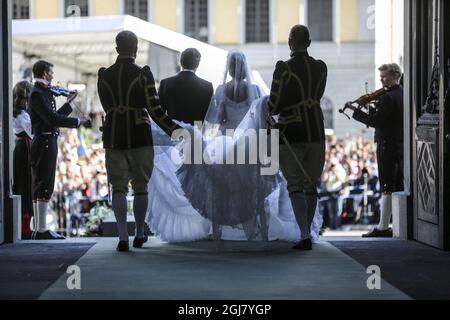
{"x": 43, "y": 81}
{"x": 193, "y": 71}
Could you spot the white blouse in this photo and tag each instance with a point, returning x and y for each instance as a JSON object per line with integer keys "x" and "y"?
{"x": 22, "y": 123}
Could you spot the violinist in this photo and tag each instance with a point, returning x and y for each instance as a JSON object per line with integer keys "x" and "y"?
{"x": 46, "y": 121}
{"x": 388, "y": 123}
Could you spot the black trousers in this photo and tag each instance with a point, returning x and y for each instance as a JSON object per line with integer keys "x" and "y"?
{"x": 390, "y": 166}
{"x": 44, "y": 151}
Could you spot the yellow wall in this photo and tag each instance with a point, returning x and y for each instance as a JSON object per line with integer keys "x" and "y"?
{"x": 287, "y": 15}
{"x": 165, "y": 14}
{"x": 106, "y": 7}
{"x": 46, "y": 9}
{"x": 348, "y": 20}
{"x": 226, "y": 22}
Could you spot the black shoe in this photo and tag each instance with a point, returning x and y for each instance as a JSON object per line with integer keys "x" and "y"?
{"x": 47, "y": 235}
{"x": 138, "y": 242}
{"x": 123, "y": 246}
{"x": 303, "y": 245}
{"x": 375, "y": 233}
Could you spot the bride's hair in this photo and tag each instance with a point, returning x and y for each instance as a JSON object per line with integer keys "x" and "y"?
{"x": 237, "y": 65}
{"x": 241, "y": 86}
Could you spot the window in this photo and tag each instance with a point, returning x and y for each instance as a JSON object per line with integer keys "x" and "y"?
{"x": 320, "y": 20}
{"x": 21, "y": 9}
{"x": 257, "y": 21}
{"x": 137, "y": 8}
{"x": 196, "y": 19}
{"x": 78, "y": 8}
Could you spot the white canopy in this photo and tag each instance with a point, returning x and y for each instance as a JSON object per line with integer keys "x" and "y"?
{"x": 87, "y": 43}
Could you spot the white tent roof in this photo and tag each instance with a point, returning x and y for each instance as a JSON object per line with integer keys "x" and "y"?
{"x": 87, "y": 43}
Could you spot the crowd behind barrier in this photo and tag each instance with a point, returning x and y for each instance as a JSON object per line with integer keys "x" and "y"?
{"x": 349, "y": 190}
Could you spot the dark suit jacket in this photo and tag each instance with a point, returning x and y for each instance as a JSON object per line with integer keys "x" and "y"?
{"x": 297, "y": 87}
{"x": 185, "y": 96}
{"x": 43, "y": 113}
{"x": 128, "y": 96}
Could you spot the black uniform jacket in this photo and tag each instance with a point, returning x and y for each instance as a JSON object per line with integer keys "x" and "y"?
{"x": 128, "y": 96}
{"x": 388, "y": 123}
{"x": 388, "y": 119}
{"x": 44, "y": 116}
{"x": 297, "y": 87}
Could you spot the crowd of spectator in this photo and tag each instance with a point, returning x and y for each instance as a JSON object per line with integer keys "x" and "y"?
{"x": 81, "y": 180}
{"x": 347, "y": 160}
{"x": 349, "y": 183}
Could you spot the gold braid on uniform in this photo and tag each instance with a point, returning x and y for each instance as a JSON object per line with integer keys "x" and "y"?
{"x": 152, "y": 99}
{"x": 277, "y": 88}
{"x": 103, "y": 84}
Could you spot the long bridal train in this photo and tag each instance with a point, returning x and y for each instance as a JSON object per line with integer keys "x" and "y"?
{"x": 172, "y": 218}
{"x": 228, "y": 201}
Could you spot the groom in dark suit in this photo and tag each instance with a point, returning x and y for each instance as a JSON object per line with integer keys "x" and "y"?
{"x": 185, "y": 96}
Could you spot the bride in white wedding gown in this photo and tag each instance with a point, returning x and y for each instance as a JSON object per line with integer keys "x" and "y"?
{"x": 221, "y": 198}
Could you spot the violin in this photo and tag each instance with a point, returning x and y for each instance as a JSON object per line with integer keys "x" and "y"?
{"x": 60, "y": 91}
{"x": 363, "y": 101}
{"x": 370, "y": 97}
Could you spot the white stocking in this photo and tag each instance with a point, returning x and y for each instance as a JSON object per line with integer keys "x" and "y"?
{"x": 386, "y": 212}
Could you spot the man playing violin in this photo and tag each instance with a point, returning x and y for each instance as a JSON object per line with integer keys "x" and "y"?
{"x": 46, "y": 121}
{"x": 388, "y": 123}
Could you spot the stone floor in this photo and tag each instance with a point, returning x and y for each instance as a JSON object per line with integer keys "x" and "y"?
{"x": 336, "y": 269}
{"x": 28, "y": 268}
{"x": 417, "y": 269}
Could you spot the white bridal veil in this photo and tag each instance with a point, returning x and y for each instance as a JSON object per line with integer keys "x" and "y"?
{"x": 221, "y": 190}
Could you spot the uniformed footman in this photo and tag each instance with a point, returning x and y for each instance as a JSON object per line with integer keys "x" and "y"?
{"x": 46, "y": 121}
{"x": 128, "y": 96}
{"x": 297, "y": 87}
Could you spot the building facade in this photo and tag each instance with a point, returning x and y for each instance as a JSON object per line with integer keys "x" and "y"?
{"x": 343, "y": 34}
